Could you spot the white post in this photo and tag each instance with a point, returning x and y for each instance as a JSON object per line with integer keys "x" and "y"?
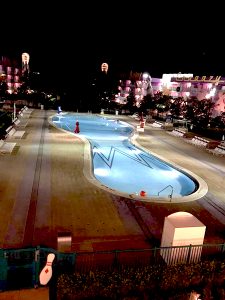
{"x": 14, "y": 111}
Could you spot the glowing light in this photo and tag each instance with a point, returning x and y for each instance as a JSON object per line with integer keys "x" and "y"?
{"x": 171, "y": 173}
{"x": 135, "y": 151}
{"x": 101, "y": 172}
{"x": 25, "y": 58}
{"x": 95, "y": 150}
{"x": 145, "y": 76}
{"x": 167, "y": 77}
{"x": 122, "y": 138}
{"x": 104, "y": 67}
{"x": 211, "y": 93}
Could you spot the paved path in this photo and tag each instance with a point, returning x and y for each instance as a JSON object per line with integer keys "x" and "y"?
{"x": 26, "y": 294}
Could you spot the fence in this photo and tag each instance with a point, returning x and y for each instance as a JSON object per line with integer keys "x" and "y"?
{"x": 20, "y": 268}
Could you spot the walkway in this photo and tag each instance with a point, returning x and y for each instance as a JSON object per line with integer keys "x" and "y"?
{"x": 26, "y": 294}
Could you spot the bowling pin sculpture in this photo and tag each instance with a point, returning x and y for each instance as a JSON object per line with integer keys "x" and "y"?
{"x": 77, "y": 129}
{"x": 46, "y": 272}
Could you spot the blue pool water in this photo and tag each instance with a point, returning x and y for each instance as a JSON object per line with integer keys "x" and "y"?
{"x": 121, "y": 166}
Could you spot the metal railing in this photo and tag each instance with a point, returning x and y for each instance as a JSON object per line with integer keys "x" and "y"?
{"x": 20, "y": 268}
{"x": 171, "y": 193}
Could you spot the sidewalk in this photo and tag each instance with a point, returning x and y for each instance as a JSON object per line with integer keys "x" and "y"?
{"x": 26, "y": 294}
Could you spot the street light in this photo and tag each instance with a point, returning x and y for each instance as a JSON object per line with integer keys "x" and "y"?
{"x": 145, "y": 76}
{"x": 146, "y": 84}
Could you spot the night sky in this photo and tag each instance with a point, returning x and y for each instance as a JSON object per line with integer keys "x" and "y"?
{"x": 67, "y": 42}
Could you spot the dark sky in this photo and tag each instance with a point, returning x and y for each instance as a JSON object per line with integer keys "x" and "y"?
{"x": 68, "y": 41}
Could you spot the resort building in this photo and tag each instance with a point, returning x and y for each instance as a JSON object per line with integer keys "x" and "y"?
{"x": 175, "y": 85}
{"x": 10, "y": 73}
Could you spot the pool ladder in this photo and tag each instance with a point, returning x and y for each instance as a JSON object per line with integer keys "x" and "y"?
{"x": 171, "y": 194}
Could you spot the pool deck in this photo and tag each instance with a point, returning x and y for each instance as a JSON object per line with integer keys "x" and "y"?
{"x": 44, "y": 192}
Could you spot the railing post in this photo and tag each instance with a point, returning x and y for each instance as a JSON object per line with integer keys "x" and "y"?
{"x": 36, "y": 266}
{"x": 223, "y": 248}
{"x": 154, "y": 254}
{"x": 189, "y": 253}
{"x": 3, "y": 270}
{"x": 115, "y": 260}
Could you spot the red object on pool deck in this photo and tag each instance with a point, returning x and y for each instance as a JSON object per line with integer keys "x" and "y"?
{"x": 77, "y": 129}
{"x": 142, "y": 122}
{"x": 142, "y": 193}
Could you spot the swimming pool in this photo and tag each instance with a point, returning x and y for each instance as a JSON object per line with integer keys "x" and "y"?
{"x": 120, "y": 165}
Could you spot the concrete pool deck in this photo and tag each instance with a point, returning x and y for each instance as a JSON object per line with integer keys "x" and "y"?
{"x": 44, "y": 192}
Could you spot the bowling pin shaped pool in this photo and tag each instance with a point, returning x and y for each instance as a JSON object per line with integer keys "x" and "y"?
{"x": 46, "y": 272}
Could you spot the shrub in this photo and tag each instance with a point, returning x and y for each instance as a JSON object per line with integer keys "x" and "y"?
{"x": 149, "y": 282}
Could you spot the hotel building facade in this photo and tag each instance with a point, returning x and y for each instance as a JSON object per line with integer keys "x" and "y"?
{"x": 177, "y": 85}
{"x": 10, "y": 73}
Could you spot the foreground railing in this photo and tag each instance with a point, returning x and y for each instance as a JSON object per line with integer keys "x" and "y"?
{"x": 20, "y": 268}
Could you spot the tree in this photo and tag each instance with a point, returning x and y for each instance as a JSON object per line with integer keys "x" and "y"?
{"x": 199, "y": 112}
{"x": 3, "y": 89}
{"x": 147, "y": 103}
{"x": 159, "y": 102}
{"x": 5, "y": 122}
{"x": 218, "y": 122}
{"x": 191, "y": 109}
{"x": 178, "y": 107}
{"x": 131, "y": 102}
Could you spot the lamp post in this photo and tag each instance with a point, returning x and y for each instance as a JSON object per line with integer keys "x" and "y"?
{"x": 146, "y": 84}
{"x": 14, "y": 111}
